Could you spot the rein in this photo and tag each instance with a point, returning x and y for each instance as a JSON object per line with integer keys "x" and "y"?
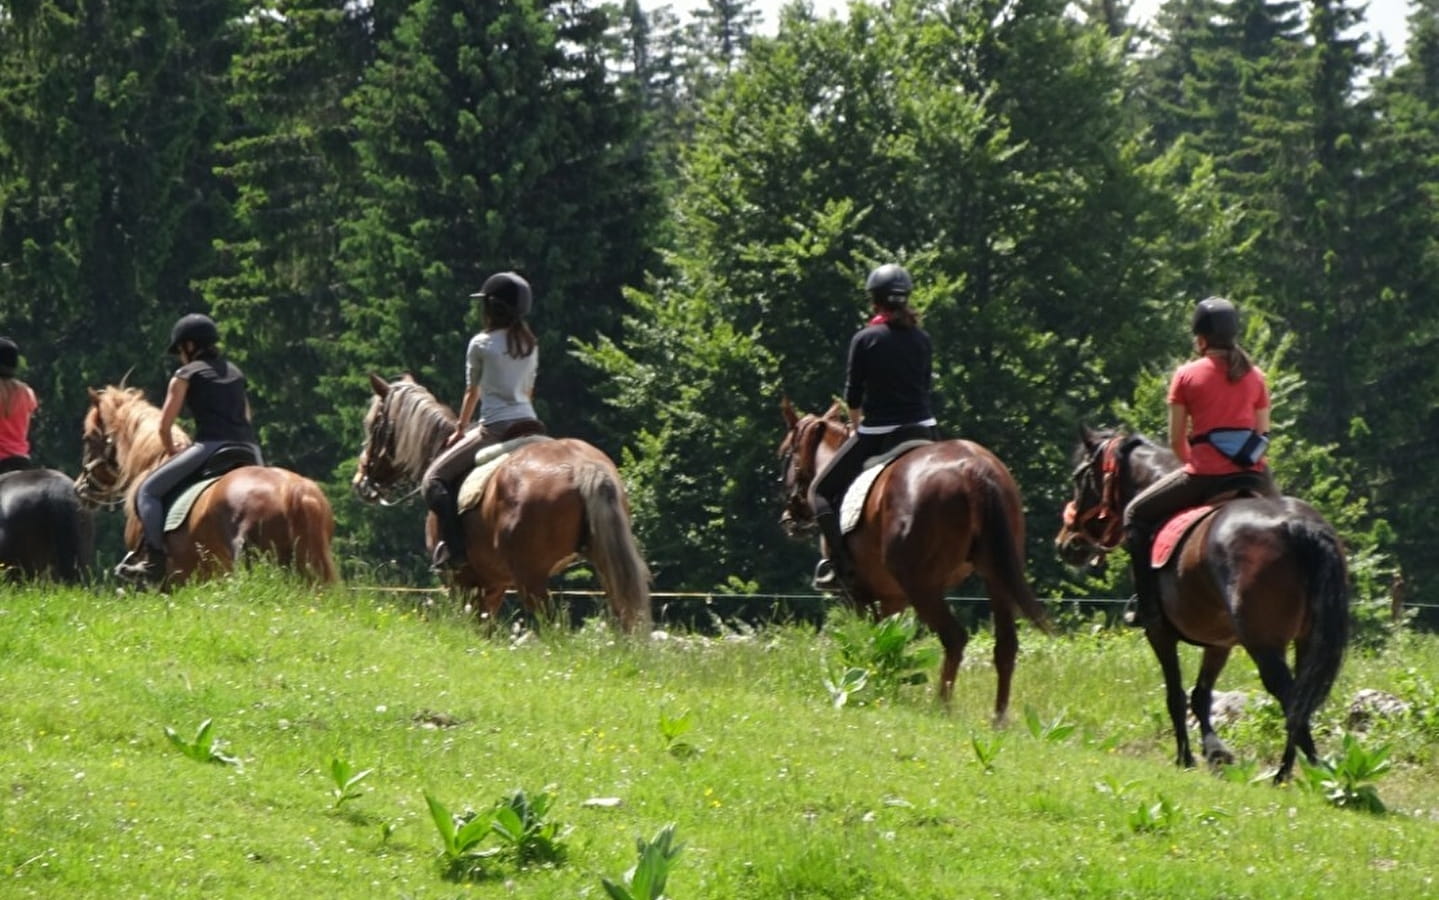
{"x": 1107, "y": 511}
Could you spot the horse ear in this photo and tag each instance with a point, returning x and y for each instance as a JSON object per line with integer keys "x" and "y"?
{"x": 786, "y": 409}
{"x": 381, "y": 386}
{"x": 94, "y": 396}
{"x": 126, "y": 377}
{"x": 836, "y": 409}
{"x": 1089, "y": 436}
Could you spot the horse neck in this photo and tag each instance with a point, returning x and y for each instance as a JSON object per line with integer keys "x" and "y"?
{"x": 1147, "y": 464}
{"x": 421, "y": 431}
{"x": 136, "y": 430}
{"x": 831, "y": 438}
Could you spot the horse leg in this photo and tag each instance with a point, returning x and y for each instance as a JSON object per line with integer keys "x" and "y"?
{"x": 1279, "y": 681}
{"x": 936, "y": 615}
{"x": 1166, "y": 648}
{"x": 1201, "y": 700}
{"x": 1006, "y": 649}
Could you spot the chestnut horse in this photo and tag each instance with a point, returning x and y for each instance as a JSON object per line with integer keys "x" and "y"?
{"x": 546, "y": 504}
{"x": 934, "y": 516}
{"x": 252, "y": 509}
{"x": 1260, "y": 573}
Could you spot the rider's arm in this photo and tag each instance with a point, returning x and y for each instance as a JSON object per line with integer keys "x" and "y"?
{"x": 1261, "y": 420}
{"x": 1179, "y": 430}
{"x": 467, "y": 411}
{"x": 174, "y": 401}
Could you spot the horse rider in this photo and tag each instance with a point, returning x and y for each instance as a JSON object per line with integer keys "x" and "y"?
{"x": 17, "y": 405}
{"x": 500, "y": 366}
{"x": 213, "y": 390}
{"x": 1218, "y": 427}
{"x": 888, "y": 378}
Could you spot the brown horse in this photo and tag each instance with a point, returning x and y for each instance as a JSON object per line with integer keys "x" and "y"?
{"x": 253, "y": 509}
{"x": 937, "y": 514}
{"x": 546, "y": 504}
{"x": 1259, "y": 573}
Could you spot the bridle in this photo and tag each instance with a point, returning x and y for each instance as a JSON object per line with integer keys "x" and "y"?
{"x": 1107, "y": 510}
{"x": 95, "y": 491}
{"x": 381, "y": 436}
{"x": 797, "y": 473}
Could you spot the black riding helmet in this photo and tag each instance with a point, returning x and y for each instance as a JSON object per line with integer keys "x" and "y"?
{"x": 200, "y": 329}
{"x": 889, "y": 284}
{"x": 9, "y": 357}
{"x": 1217, "y": 320}
{"x": 508, "y": 289}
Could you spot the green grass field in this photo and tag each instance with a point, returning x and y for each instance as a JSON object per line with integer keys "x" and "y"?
{"x": 774, "y": 791}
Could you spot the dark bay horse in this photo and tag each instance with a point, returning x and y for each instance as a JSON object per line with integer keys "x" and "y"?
{"x": 254, "y": 509}
{"x": 546, "y": 504}
{"x": 45, "y": 532}
{"x": 937, "y": 514}
{"x": 1259, "y": 573}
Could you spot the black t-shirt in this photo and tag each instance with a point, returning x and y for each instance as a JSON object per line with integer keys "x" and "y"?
{"x": 216, "y": 400}
{"x": 889, "y": 375}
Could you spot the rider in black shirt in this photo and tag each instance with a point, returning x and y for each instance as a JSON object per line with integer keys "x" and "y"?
{"x": 887, "y": 390}
{"x": 213, "y": 390}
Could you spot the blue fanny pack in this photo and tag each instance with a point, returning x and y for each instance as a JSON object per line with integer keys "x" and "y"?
{"x": 1241, "y": 446}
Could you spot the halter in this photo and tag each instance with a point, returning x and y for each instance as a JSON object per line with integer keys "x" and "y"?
{"x": 96, "y": 491}
{"x": 1108, "y": 510}
{"x": 801, "y": 456}
{"x": 382, "y": 434}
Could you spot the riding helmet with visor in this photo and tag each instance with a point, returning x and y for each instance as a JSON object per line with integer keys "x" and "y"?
{"x": 1217, "y": 320}
{"x": 9, "y": 357}
{"x": 889, "y": 284}
{"x": 198, "y": 328}
{"x": 508, "y": 289}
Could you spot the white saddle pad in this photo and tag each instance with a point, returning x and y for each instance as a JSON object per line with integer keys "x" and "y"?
{"x": 851, "y": 508}
{"x": 487, "y": 460}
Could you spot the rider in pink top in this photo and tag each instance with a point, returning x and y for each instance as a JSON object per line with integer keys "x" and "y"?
{"x": 1218, "y": 427}
{"x": 17, "y": 405}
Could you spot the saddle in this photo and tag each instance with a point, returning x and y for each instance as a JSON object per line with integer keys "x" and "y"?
{"x": 487, "y": 460}
{"x": 851, "y": 508}
{"x": 1177, "y": 527}
{"x": 181, "y": 500}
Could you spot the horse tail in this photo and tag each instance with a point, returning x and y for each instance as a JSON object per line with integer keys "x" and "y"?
{"x": 611, "y": 545}
{"x": 1005, "y": 544}
{"x": 312, "y": 524}
{"x": 1321, "y": 557}
{"x": 71, "y": 527}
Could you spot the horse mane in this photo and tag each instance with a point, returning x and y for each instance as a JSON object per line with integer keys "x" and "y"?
{"x": 419, "y": 422}
{"x": 134, "y": 423}
{"x": 1089, "y": 438}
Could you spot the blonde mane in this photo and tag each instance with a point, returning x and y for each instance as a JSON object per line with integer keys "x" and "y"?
{"x": 124, "y": 415}
{"x": 418, "y": 424}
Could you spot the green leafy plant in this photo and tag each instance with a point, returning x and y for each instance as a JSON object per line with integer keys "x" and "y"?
{"x": 1154, "y": 818}
{"x": 1113, "y": 786}
{"x": 1345, "y": 780}
{"x": 672, "y": 729}
{"x": 845, "y": 684}
{"x": 460, "y": 838}
{"x": 985, "y": 752}
{"x": 203, "y": 747}
{"x": 646, "y": 879}
{"x": 519, "y": 820}
{"x": 346, "y": 779}
{"x": 1055, "y": 732}
{"x": 885, "y": 650}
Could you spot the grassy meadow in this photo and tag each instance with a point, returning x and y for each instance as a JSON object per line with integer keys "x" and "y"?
{"x": 774, "y": 790}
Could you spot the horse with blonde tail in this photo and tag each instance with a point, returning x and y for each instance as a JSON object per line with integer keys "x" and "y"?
{"x": 526, "y": 515}
{"x": 246, "y": 510}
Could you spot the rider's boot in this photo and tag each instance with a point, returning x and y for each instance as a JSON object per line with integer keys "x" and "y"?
{"x": 1143, "y": 608}
{"x": 834, "y": 572}
{"x": 449, "y": 553}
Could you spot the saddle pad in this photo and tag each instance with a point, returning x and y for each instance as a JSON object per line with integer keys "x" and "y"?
{"x": 179, "y": 511}
{"x": 487, "y": 460}
{"x": 1171, "y": 533}
{"x": 851, "y": 508}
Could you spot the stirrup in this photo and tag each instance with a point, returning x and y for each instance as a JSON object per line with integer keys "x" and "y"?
{"x": 445, "y": 560}
{"x": 829, "y": 579}
{"x": 1133, "y": 616}
{"x": 141, "y": 566}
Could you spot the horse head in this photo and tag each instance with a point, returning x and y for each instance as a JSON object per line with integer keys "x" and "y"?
{"x": 405, "y": 427}
{"x": 100, "y": 479}
{"x": 1110, "y": 468}
{"x": 799, "y": 453}
{"x": 376, "y": 471}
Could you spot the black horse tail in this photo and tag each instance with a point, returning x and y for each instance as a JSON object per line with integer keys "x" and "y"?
{"x": 70, "y": 528}
{"x": 1006, "y": 546}
{"x": 1321, "y": 556}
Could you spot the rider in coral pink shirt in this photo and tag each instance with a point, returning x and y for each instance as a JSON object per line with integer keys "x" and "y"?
{"x": 1203, "y": 388}
{"x": 17, "y": 405}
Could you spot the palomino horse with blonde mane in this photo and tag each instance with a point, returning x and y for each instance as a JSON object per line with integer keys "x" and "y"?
{"x": 252, "y": 509}
{"x": 932, "y": 517}
{"x": 546, "y": 504}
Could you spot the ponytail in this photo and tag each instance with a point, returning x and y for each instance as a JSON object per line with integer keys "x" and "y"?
{"x": 519, "y": 340}
{"x": 1237, "y": 362}
{"x": 898, "y": 316}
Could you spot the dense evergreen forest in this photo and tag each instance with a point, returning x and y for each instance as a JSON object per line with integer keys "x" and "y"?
{"x": 696, "y": 204}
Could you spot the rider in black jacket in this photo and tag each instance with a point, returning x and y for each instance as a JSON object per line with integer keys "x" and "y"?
{"x": 887, "y": 390}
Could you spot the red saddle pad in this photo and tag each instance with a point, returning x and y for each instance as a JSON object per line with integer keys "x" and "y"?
{"x": 1173, "y": 531}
